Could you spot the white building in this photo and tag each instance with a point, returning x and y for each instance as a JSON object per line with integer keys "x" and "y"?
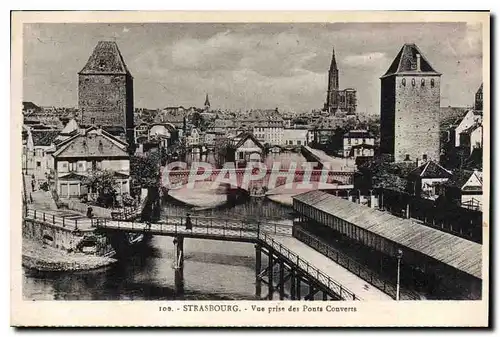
{"x": 38, "y": 147}
{"x": 90, "y": 149}
{"x": 465, "y": 188}
{"x": 425, "y": 180}
{"x": 471, "y": 117}
{"x": 162, "y": 132}
{"x": 472, "y": 137}
{"x": 358, "y": 143}
{"x": 296, "y": 137}
{"x": 194, "y": 137}
{"x": 248, "y": 149}
{"x": 270, "y": 134}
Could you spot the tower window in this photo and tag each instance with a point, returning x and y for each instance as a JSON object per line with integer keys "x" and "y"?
{"x": 92, "y": 120}
{"x": 407, "y": 157}
{"x": 432, "y": 83}
{"x": 413, "y": 82}
{"x": 424, "y": 157}
{"x": 422, "y": 83}
{"x": 403, "y": 82}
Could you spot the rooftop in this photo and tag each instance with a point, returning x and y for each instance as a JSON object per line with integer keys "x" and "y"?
{"x": 44, "y": 138}
{"x": 430, "y": 169}
{"x": 407, "y": 62}
{"x": 459, "y": 253}
{"x": 105, "y": 59}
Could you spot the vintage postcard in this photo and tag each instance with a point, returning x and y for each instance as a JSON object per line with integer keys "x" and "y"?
{"x": 250, "y": 169}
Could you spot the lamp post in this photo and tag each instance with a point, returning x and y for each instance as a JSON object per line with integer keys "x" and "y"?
{"x": 399, "y": 257}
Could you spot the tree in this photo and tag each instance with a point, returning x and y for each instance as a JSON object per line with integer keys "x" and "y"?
{"x": 103, "y": 183}
{"x": 381, "y": 172}
{"x": 145, "y": 170}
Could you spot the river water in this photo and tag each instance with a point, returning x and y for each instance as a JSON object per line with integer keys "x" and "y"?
{"x": 213, "y": 269}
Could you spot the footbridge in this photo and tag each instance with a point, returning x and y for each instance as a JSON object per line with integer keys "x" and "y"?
{"x": 285, "y": 268}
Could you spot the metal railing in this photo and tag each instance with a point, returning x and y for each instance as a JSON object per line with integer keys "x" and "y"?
{"x": 312, "y": 271}
{"x": 353, "y": 266}
{"x": 200, "y": 226}
{"x": 211, "y": 227}
{"x": 60, "y": 221}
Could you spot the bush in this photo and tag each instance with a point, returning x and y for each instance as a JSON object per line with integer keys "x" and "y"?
{"x": 128, "y": 200}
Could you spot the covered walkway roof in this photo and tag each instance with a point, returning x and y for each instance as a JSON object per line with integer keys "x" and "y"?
{"x": 452, "y": 250}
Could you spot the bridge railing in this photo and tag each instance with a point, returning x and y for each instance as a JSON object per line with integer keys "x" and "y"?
{"x": 178, "y": 228}
{"x": 312, "y": 271}
{"x": 208, "y": 224}
{"x": 51, "y": 218}
{"x": 353, "y": 266}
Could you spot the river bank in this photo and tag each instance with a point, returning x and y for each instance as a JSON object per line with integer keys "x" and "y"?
{"x": 44, "y": 258}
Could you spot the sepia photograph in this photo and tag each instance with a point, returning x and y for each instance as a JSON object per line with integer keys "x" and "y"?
{"x": 277, "y": 167}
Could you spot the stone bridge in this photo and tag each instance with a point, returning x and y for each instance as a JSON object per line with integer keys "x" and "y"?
{"x": 258, "y": 180}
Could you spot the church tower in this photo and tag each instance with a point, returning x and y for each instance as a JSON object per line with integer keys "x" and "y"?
{"x": 333, "y": 86}
{"x": 207, "y": 103}
{"x": 105, "y": 92}
{"x": 409, "y": 107}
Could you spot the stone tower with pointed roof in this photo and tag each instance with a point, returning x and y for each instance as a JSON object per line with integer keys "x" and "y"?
{"x": 409, "y": 108}
{"x": 336, "y": 99}
{"x": 105, "y": 92}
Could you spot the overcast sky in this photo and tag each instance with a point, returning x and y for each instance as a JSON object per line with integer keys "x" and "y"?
{"x": 243, "y": 66}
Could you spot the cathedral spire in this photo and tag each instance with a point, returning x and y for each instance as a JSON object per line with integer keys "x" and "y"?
{"x": 207, "y": 102}
{"x": 333, "y": 65}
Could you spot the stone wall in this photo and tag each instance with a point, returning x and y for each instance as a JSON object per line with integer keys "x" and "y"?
{"x": 417, "y": 117}
{"x": 387, "y": 115}
{"x": 54, "y": 236}
{"x": 104, "y": 98}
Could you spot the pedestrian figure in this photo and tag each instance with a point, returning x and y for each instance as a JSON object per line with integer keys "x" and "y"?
{"x": 189, "y": 224}
{"x": 148, "y": 225}
{"x": 33, "y": 184}
{"x": 90, "y": 214}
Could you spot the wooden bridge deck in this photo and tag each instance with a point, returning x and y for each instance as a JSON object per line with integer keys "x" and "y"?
{"x": 349, "y": 280}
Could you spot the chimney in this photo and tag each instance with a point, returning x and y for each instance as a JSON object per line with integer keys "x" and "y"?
{"x": 418, "y": 62}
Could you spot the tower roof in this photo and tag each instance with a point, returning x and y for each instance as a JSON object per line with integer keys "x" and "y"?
{"x": 207, "y": 102}
{"x": 407, "y": 62}
{"x": 333, "y": 65}
{"x": 105, "y": 59}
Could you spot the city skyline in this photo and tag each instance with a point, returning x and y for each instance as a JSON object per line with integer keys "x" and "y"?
{"x": 244, "y": 66}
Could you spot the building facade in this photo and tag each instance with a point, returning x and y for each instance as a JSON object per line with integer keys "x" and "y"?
{"x": 472, "y": 138}
{"x": 410, "y": 105}
{"x": 424, "y": 181}
{"x": 471, "y": 118}
{"x": 295, "y": 137}
{"x": 271, "y": 134}
{"x": 105, "y": 92}
{"x": 358, "y": 143}
{"x": 90, "y": 150}
{"x": 248, "y": 149}
{"x": 338, "y": 100}
{"x": 464, "y": 188}
{"x": 38, "y": 147}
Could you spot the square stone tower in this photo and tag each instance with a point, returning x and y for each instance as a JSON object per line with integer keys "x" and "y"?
{"x": 106, "y": 93}
{"x": 409, "y": 109}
